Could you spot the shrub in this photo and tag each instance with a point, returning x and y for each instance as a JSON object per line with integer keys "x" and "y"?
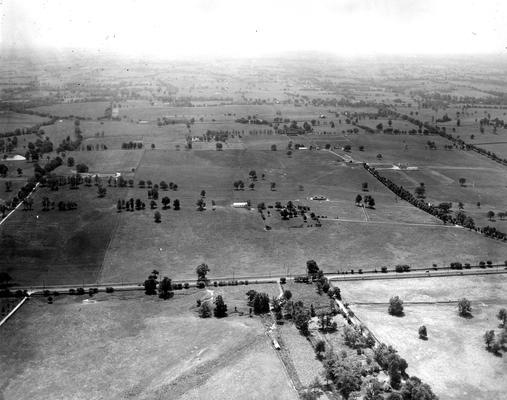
{"x": 72, "y": 291}
{"x": 464, "y": 307}
{"x": 200, "y": 285}
{"x": 187, "y": 285}
{"x": 109, "y": 289}
{"x": 80, "y": 291}
{"x": 46, "y": 293}
{"x": 423, "y": 333}
{"x": 283, "y": 280}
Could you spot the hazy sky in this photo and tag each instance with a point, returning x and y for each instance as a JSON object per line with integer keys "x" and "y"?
{"x": 174, "y": 28}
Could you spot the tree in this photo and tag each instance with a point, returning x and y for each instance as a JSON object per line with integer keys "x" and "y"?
{"x": 464, "y": 307}
{"x": 320, "y": 347}
{"x": 165, "y": 202}
{"x": 365, "y": 186}
{"x": 273, "y": 147}
{"x": 157, "y": 217}
{"x": 201, "y": 271}
{"x": 287, "y": 294}
{"x": 414, "y": 389}
{"x": 81, "y": 168}
{"x": 489, "y": 338}
{"x": 371, "y": 202}
{"x": 423, "y": 333}
{"x": 312, "y": 268}
{"x": 462, "y": 181}
{"x": 70, "y": 161}
{"x": 490, "y": 215}
{"x": 301, "y": 316}
{"x": 502, "y": 316}
{"x": 346, "y": 375}
{"x": 273, "y": 186}
{"x": 176, "y": 204}
{"x": 163, "y": 185}
{"x": 420, "y": 192}
{"x": 205, "y": 310}
{"x": 372, "y": 389}
{"x": 165, "y": 288}
{"x": 219, "y": 146}
{"x": 394, "y": 374}
{"x": 203, "y": 193}
{"x": 101, "y": 191}
{"x": 469, "y": 223}
{"x": 200, "y": 205}
{"x": 261, "y": 303}
{"x": 220, "y": 310}
{"x": 5, "y": 278}
{"x": 150, "y": 285}
{"x": 395, "y": 306}
{"x": 289, "y": 153}
{"x": 359, "y": 199}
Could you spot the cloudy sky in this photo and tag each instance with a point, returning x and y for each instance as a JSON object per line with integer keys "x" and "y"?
{"x": 175, "y": 28}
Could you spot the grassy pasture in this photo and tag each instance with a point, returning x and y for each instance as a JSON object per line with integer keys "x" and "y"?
{"x": 234, "y": 240}
{"x": 454, "y": 343}
{"x": 302, "y": 354}
{"x": 10, "y": 121}
{"x": 482, "y": 288}
{"x": 110, "y": 161}
{"x": 57, "y": 247}
{"x": 92, "y": 109}
{"x": 136, "y": 346}
{"x": 483, "y": 184}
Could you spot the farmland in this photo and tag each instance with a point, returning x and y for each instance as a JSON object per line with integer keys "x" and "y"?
{"x": 454, "y": 343}
{"x": 252, "y": 169}
{"x": 10, "y": 121}
{"x": 136, "y": 346}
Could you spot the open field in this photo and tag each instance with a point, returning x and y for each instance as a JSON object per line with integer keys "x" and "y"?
{"x": 10, "y": 121}
{"x": 136, "y": 346}
{"x": 453, "y": 344}
{"x": 92, "y": 109}
{"x": 128, "y": 345}
{"x": 475, "y": 288}
{"x": 57, "y": 247}
{"x": 350, "y": 237}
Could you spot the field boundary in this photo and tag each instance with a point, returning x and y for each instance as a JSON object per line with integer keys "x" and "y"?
{"x": 20, "y": 203}
{"x": 13, "y": 311}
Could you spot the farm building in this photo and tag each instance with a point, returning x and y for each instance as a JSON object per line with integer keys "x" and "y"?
{"x": 241, "y": 204}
